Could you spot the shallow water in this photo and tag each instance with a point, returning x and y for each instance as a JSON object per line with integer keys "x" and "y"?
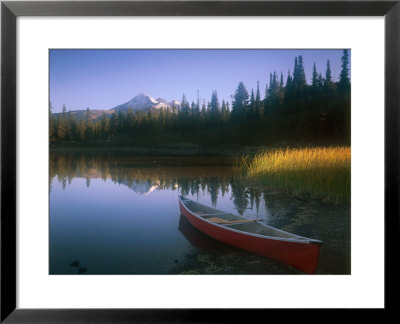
{"x": 120, "y": 215}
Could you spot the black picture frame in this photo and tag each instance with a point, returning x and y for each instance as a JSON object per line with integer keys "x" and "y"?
{"x": 10, "y": 10}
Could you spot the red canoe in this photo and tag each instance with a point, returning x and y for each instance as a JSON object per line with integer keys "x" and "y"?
{"x": 296, "y": 251}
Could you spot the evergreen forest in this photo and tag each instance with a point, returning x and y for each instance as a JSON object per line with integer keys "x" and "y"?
{"x": 290, "y": 111}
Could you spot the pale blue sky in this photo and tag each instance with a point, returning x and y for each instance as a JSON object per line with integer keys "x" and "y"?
{"x": 103, "y": 79}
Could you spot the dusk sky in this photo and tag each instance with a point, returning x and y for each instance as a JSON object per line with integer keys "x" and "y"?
{"x": 103, "y": 79}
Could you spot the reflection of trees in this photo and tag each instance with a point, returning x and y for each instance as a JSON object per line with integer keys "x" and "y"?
{"x": 255, "y": 197}
{"x": 195, "y": 187}
{"x": 184, "y": 184}
{"x": 145, "y": 175}
{"x": 239, "y": 194}
{"x": 213, "y": 190}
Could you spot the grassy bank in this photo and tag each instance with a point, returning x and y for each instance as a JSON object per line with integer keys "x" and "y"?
{"x": 320, "y": 173}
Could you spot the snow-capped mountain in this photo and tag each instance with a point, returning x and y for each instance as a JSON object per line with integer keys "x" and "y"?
{"x": 144, "y": 101}
{"x": 143, "y": 187}
{"x": 162, "y": 100}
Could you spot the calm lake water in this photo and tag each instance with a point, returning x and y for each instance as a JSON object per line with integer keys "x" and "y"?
{"x": 120, "y": 215}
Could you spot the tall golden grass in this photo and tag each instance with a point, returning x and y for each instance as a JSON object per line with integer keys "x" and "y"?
{"x": 320, "y": 172}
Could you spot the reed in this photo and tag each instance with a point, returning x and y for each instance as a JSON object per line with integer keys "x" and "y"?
{"x": 315, "y": 172}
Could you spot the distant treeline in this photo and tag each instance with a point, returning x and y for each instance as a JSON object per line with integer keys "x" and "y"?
{"x": 291, "y": 112}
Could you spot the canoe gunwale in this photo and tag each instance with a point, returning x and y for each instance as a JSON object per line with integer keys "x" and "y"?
{"x": 294, "y": 239}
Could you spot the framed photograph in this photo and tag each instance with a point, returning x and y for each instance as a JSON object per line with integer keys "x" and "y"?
{"x": 189, "y": 160}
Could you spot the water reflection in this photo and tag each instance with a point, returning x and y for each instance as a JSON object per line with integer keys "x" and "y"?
{"x": 120, "y": 215}
{"x": 197, "y": 238}
{"x": 190, "y": 176}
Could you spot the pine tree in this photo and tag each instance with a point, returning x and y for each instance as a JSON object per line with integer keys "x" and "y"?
{"x": 258, "y": 97}
{"x": 214, "y": 103}
{"x": 273, "y": 86}
{"x": 185, "y": 104}
{"x": 184, "y": 113}
{"x": 224, "y": 111}
{"x": 289, "y": 81}
{"x": 266, "y": 98}
{"x": 214, "y": 108}
{"x": 289, "y": 88}
{"x": 196, "y": 107}
{"x": 223, "y": 106}
{"x": 281, "y": 87}
{"x": 193, "y": 113}
{"x": 251, "y": 110}
{"x": 299, "y": 76}
{"x": 320, "y": 81}
{"x": 259, "y": 110}
{"x": 203, "y": 112}
{"x": 296, "y": 69}
{"x": 240, "y": 101}
{"x": 302, "y": 75}
{"x": 328, "y": 74}
{"x": 198, "y": 102}
{"x": 196, "y": 118}
{"x": 314, "y": 81}
{"x": 204, "y": 107}
{"x": 344, "y": 82}
{"x": 328, "y": 83}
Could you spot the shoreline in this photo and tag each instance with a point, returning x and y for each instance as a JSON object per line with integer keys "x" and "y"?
{"x": 179, "y": 151}
{"x": 183, "y": 149}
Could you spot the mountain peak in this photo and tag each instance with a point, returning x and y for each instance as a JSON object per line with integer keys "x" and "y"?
{"x": 144, "y": 96}
{"x": 144, "y": 101}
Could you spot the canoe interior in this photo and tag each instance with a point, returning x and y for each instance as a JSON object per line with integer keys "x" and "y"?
{"x": 253, "y": 227}
{"x": 201, "y": 210}
{"x": 257, "y": 228}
